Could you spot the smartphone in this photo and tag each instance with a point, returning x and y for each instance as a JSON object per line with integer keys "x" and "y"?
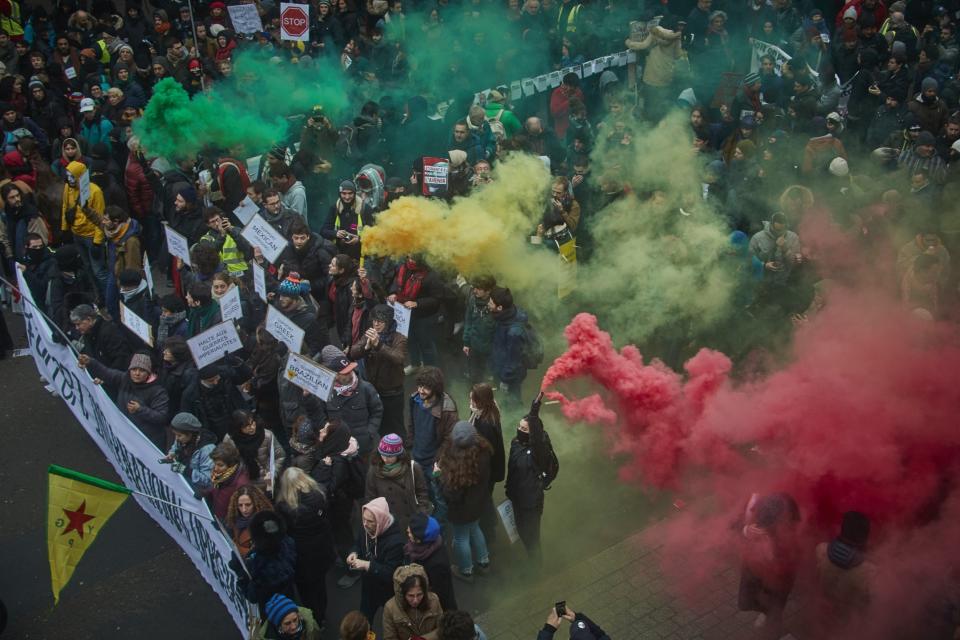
{"x": 561, "y": 608}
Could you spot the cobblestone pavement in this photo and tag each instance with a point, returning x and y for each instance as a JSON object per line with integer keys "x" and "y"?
{"x": 623, "y": 590}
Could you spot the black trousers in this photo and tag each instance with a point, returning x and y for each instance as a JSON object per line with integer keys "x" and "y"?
{"x": 528, "y": 526}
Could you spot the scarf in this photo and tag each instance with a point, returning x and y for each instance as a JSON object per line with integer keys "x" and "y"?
{"x": 129, "y": 294}
{"x": 117, "y": 233}
{"x": 336, "y": 442}
{"x": 347, "y": 390}
{"x": 221, "y": 478}
{"x": 390, "y": 470}
{"x": 249, "y": 448}
{"x": 242, "y": 523}
{"x": 409, "y": 280}
{"x": 420, "y": 551}
{"x": 843, "y": 555}
{"x": 167, "y": 323}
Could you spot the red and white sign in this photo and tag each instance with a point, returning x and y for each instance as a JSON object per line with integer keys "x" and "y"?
{"x": 294, "y": 22}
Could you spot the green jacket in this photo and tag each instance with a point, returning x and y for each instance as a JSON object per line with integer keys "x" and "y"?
{"x": 510, "y": 122}
{"x": 311, "y": 630}
{"x": 478, "y": 326}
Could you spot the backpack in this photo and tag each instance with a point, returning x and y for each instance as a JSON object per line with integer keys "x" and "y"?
{"x": 553, "y": 464}
{"x": 531, "y": 354}
{"x": 354, "y": 482}
{"x": 499, "y": 131}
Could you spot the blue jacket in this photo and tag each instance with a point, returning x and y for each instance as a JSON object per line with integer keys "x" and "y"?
{"x": 506, "y": 361}
{"x": 97, "y": 131}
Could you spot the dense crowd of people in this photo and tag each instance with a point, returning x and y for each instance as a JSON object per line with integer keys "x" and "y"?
{"x": 389, "y": 481}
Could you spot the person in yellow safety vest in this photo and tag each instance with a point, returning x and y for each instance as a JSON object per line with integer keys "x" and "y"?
{"x": 222, "y": 236}
{"x": 11, "y": 19}
{"x": 85, "y": 221}
{"x": 346, "y": 219}
{"x": 568, "y": 14}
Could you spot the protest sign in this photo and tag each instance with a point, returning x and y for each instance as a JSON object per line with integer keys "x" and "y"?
{"x": 260, "y": 233}
{"x": 140, "y": 327}
{"x": 230, "y": 307}
{"x": 402, "y": 317}
{"x": 135, "y": 459}
{"x": 308, "y": 375}
{"x": 294, "y": 22}
{"x": 284, "y": 329}
{"x": 245, "y": 18}
{"x": 246, "y": 210}
{"x": 528, "y": 87}
{"x": 516, "y": 92}
{"x": 554, "y": 79}
{"x": 259, "y": 281}
{"x": 148, "y": 272}
{"x": 214, "y": 343}
{"x": 177, "y": 245}
{"x": 84, "y": 184}
{"x": 435, "y": 176}
{"x": 509, "y": 520}
{"x": 540, "y": 82}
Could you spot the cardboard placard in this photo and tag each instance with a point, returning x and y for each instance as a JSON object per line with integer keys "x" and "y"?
{"x": 284, "y": 329}
{"x": 260, "y": 233}
{"x": 259, "y": 281}
{"x": 140, "y": 327}
{"x": 402, "y": 317}
{"x": 246, "y": 210}
{"x": 148, "y": 273}
{"x": 310, "y": 376}
{"x": 177, "y": 244}
{"x": 540, "y": 82}
{"x": 529, "y": 89}
{"x": 245, "y": 18}
{"x": 509, "y": 520}
{"x": 294, "y": 22}
{"x": 435, "y": 176}
{"x": 516, "y": 92}
{"x": 84, "y": 184}
{"x": 230, "y": 307}
{"x": 554, "y": 79}
{"x": 214, "y": 343}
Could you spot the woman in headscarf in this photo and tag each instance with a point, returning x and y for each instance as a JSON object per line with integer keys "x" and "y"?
{"x": 377, "y": 554}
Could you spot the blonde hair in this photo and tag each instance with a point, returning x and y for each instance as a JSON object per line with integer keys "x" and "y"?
{"x": 293, "y": 482}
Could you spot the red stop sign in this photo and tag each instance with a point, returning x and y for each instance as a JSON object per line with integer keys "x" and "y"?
{"x": 294, "y": 21}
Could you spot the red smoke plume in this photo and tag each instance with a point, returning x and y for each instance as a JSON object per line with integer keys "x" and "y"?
{"x": 864, "y": 417}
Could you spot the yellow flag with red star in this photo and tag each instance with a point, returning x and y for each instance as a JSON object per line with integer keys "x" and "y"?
{"x": 78, "y": 506}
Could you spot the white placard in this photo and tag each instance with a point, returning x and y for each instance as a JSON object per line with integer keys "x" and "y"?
{"x": 509, "y": 520}
{"x": 529, "y": 89}
{"x": 260, "y": 233}
{"x": 177, "y": 244}
{"x": 230, "y": 307}
{"x": 587, "y": 68}
{"x": 259, "y": 281}
{"x": 540, "y": 82}
{"x": 516, "y": 92}
{"x": 247, "y": 207}
{"x": 135, "y": 459}
{"x": 140, "y": 327}
{"x": 70, "y": 72}
{"x": 245, "y": 18}
{"x": 308, "y": 375}
{"x": 84, "y": 183}
{"x": 148, "y": 273}
{"x": 402, "y": 317}
{"x": 621, "y": 59}
{"x": 294, "y": 21}
{"x": 554, "y": 79}
{"x": 214, "y": 343}
{"x": 631, "y": 56}
{"x": 284, "y": 329}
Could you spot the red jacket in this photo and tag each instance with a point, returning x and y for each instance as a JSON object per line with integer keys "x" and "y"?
{"x": 139, "y": 191}
{"x": 560, "y": 110}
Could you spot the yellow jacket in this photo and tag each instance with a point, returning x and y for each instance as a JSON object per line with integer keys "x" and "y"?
{"x": 83, "y": 225}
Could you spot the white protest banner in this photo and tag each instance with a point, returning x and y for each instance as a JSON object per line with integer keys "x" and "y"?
{"x": 230, "y": 307}
{"x": 259, "y": 281}
{"x": 245, "y": 18}
{"x": 294, "y": 22}
{"x": 554, "y": 79}
{"x": 84, "y": 183}
{"x": 135, "y": 459}
{"x": 260, "y": 233}
{"x": 246, "y": 210}
{"x": 177, "y": 245}
{"x": 509, "y": 520}
{"x": 284, "y": 329}
{"x": 631, "y": 56}
{"x": 516, "y": 92}
{"x": 779, "y": 56}
{"x": 140, "y": 327}
{"x": 529, "y": 89}
{"x": 402, "y": 316}
{"x": 540, "y": 82}
{"x": 148, "y": 272}
{"x": 621, "y": 59}
{"x": 214, "y": 343}
{"x": 308, "y": 375}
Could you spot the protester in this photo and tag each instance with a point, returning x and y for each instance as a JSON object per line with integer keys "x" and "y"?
{"x": 414, "y": 611}
{"x": 228, "y": 475}
{"x": 394, "y": 476}
{"x": 190, "y": 453}
{"x": 377, "y": 554}
{"x": 383, "y": 350}
{"x": 270, "y": 566}
{"x": 425, "y": 546}
{"x": 258, "y": 447}
{"x": 284, "y": 619}
{"x": 527, "y": 468}
{"x": 845, "y": 574}
{"x": 246, "y": 502}
{"x": 485, "y": 417}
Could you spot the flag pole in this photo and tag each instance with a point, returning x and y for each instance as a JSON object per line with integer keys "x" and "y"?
{"x": 172, "y": 504}
{"x": 49, "y": 320}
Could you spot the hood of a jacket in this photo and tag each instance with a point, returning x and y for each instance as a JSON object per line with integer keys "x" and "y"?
{"x": 400, "y": 575}
{"x": 76, "y": 169}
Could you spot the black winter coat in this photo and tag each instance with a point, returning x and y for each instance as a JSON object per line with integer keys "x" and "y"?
{"x": 151, "y": 418}
{"x": 362, "y": 412}
{"x": 524, "y": 483}
{"x": 105, "y": 344}
{"x": 492, "y": 432}
{"x": 466, "y": 504}
{"x": 181, "y": 382}
{"x": 312, "y": 262}
{"x": 437, "y": 566}
{"x": 385, "y": 554}
{"x": 271, "y": 573}
{"x": 214, "y": 406}
{"x": 309, "y": 527}
{"x": 315, "y": 335}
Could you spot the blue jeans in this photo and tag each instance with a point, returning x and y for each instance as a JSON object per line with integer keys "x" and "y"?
{"x": 465, "y": 536}
{"x": 94, "y": 259}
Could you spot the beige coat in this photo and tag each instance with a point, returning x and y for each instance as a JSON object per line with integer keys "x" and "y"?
{"x": 664, "y": 49}
{"x": 400, "y": 622}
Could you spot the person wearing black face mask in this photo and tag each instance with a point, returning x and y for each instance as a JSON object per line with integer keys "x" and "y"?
{"x": 39, "y": 268}
{"x": 530, "y": 453}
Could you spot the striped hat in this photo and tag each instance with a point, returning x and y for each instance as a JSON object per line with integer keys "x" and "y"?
{"x": 391, "y": 445}
{"x": 751, "y": 78}
{"x": 278, "y": 607}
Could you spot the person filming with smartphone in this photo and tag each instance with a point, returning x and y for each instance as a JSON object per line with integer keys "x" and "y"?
{"x": 581, "y": 627}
